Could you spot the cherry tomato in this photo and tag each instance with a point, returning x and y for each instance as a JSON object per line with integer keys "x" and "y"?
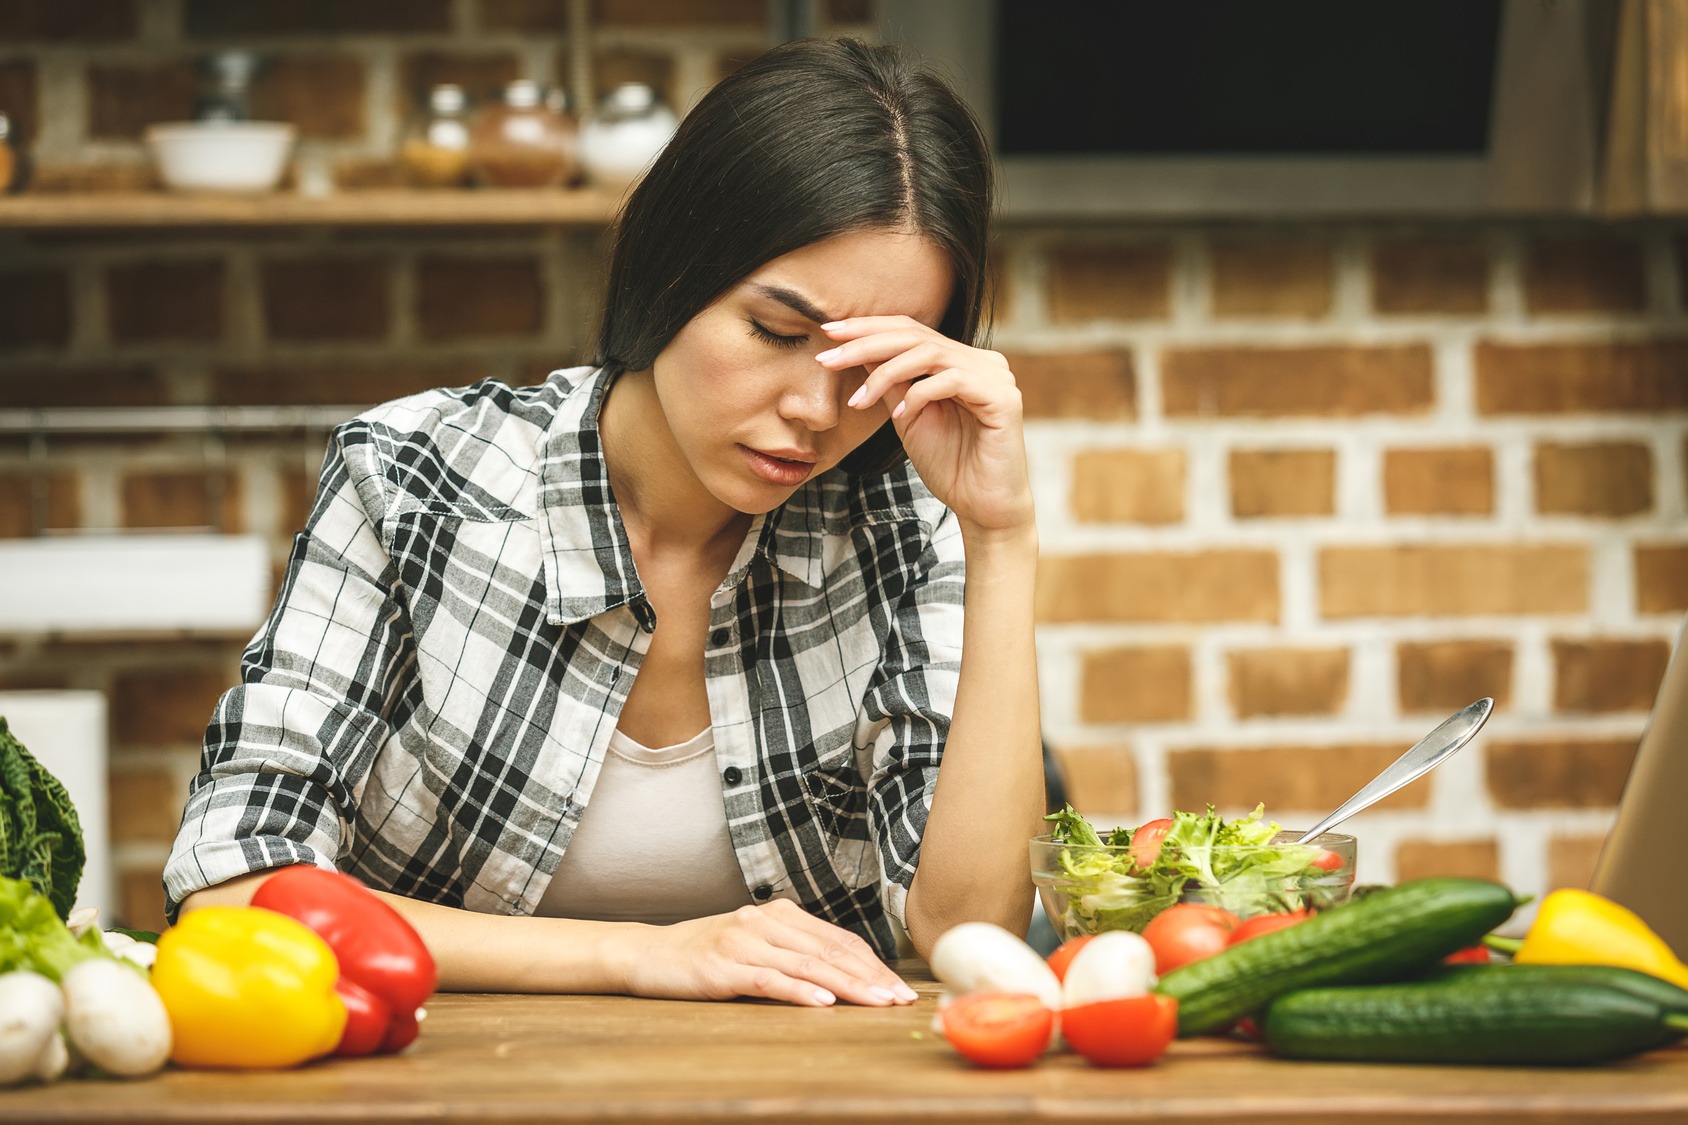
{"x": 1265, "y": 924}
{"x": 1327, "y": 860}
{"x": 998, "y": 1029}
{"x": 1064, "y": 954}
{"x": 1473, "y": 955}
{"x": 1146, "y": 842}
{"x": 1130, "y": 1032}
{"x": 1250, "y": 1029}
{"x": 1188, "y": 932}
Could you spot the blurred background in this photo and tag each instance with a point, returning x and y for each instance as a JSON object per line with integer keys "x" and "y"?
{"x": 1352, "y": 340}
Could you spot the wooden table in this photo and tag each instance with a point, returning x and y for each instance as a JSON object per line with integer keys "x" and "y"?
{"x": 509, "y": 1059}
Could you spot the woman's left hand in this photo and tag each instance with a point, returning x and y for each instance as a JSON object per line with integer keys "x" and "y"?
{"x": 956, "y": 408}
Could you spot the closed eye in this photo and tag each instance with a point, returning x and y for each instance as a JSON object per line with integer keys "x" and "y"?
{"x": 761, "y": 332}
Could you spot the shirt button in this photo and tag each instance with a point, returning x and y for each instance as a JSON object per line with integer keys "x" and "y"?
{"x": 719, "y": 637}
{"x": 763, "y": 893}
{"x": 733, "y": 775}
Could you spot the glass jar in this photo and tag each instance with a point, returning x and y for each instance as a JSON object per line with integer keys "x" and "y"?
{"x": 435, "y": 150}
{"x": 628, "y": 132}
{"x": 523, "y": 142}
{"x": 8, "y": 156}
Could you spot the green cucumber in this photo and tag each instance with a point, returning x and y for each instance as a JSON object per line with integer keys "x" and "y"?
{"x": 1666, "y": 995}
{"x": 1392, "y": 934}
{"x": 1523, "y": 1021}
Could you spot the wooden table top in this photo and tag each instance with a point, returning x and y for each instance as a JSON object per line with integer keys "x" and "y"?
{"x": 509, "y": 1059}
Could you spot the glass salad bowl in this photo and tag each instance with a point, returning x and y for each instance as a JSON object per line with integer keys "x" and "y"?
{"x": 1087, "y": 888}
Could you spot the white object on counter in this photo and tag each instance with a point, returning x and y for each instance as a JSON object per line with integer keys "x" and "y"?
{"x": 235, "y": 156}
{"x": 630, "y": 129}
{"x": 66, "y": 732}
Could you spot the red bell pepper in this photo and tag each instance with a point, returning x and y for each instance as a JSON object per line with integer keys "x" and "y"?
{"x": 386, "y": 972}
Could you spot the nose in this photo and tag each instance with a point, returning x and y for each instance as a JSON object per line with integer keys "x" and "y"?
{"x": 815, "y": 397}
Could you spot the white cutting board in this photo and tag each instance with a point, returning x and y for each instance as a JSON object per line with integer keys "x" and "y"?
{"x": 66, "y": 732}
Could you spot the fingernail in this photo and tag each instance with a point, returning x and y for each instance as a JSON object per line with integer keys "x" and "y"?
{"x": 907, "y": 993}
{"x": 822, "y": 996}
{"x": 883, "y": 995}
{"x": 898, "y": 413}
{"x": 831, "y": 324}
{"x": 830, "y": 353}
{"x": 861, "y": 393}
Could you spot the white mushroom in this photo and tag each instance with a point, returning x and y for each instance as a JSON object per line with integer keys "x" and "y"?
{"x": 115, "y": 1018}
{"x": 980, "y": 956}
{"x": 30, "y": 1009}
{"x": 1111, "y": 966}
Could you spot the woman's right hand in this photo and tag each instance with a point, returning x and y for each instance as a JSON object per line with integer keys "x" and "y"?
{"x": 776, "y": 951}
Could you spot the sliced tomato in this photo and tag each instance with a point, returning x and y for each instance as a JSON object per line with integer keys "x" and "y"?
{"x": 1472, "y": 955}
{"x": 1146, "y": 842}
{"x": 998, "y": 1029}
{"x": 1327, "y": 860}
{"x": 1265, "y": 924}
{"x": 1188, "y": 932}
{"x": 1064, "y": 954}
{"x": 1130, "y": 1032}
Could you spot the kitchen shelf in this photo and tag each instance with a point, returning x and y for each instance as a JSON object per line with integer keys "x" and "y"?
{"x": 374, "y": 208}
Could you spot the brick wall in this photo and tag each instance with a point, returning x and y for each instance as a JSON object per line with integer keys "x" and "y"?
{"x": 1302, "y": 490}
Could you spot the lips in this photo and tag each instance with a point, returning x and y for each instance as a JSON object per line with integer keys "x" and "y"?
{"x": 784, "y": 467}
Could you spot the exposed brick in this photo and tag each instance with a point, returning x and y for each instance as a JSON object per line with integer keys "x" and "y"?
{"x": 18, "y": 99}
{"x": 1430, "y": 275}
{"x": 141, "y": 900}
{"x": 997, "y": 285}
{"x": 298, "y": 493}
{"x": 1283, "y": 482}
{"x": 175, "y": 499}
{"x": 611, "y": 68}
{"x": 1558, "y": 773}
{"x": 1571, "y": 861}
{"x": 1326, "y": 382}
{"x": 480, "y": 296}
{"x": 1288, "y": 681}
{"x": 154, "y": 302}
{"x": 353, "y": 384}
{"x": 1135, "y": 685}
{"x": 81, "y": 386}
{"x": 61, "y": 496}
{"x": 168, "y": 707}
{"x": 1099, "y": 779}
{"x": 146, "y": 805}
{"x": 1287, "y": 778}
{"x": 482, "y": 76}
{"x": 1457, "y": 481}
{"x": 1128, "y": 486}
{"x": 1194, "y": 586}
{"x": 525, "y": 15}
{"x": 1487, "y": 580}
{"x": 1646, "y": 377}
{"x": 1099, "y": 385}
{"x": 221, "y": 19}
{"x": 1607, "y": 675}
{"x": 1584, "y": 274}
{"x": 1610, "y": 478}
{"x": 82, "y": 21}
{"x": 326, "y": 298}
{"x": 1289, "y": 278}
{"x": 34, "y": 308}
{"x": 1472, "y": 859}
{"x": 1661, "y": 578}
{"x": 322, "y": 95}
{"x": 1440, "y": 676}
{"x": 647, "y": 13}
{"x": 1130, "y": 281}
{"x": 123, "y": 99}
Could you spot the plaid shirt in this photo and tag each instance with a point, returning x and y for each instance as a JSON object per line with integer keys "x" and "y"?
{"x": 429, "y": 703}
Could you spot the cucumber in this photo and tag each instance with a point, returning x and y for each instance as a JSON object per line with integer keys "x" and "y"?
{"x": 1525, "y": 1021}
{"x": 1666, "y": 995}
{"x": 1392, "y": 934}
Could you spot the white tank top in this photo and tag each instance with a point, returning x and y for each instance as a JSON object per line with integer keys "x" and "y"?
{"x": 652, "y": 845}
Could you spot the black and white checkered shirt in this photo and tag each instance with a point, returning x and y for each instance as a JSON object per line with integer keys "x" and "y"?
{"x": 429, "y": 703}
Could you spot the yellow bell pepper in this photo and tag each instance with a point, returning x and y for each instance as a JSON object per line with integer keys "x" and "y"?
{"x": 247, "y": 988}
{"x": 1580, "y": 928}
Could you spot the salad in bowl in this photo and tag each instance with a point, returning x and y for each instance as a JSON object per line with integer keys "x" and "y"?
{"x": 1247, "y": 866}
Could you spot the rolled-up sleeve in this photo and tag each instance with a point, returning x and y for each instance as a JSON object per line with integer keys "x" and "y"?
{"x": 286, "y": 749}
{"x": 908, "y": 706}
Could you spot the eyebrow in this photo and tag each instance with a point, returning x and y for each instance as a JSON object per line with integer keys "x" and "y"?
{"x": 794, "y": 301}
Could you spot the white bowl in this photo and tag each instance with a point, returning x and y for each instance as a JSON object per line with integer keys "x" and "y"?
{"x": 221, "y": 155}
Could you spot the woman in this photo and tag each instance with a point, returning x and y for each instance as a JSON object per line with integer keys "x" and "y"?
{"x": 653, "y": 678}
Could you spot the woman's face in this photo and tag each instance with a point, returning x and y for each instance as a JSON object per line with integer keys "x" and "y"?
{"x": 751, "y": 411}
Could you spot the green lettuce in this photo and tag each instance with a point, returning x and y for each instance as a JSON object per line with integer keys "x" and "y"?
{"x": 34, "y": 937}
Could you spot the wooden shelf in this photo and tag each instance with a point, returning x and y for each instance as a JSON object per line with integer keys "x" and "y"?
{"x": 160, "y": 209}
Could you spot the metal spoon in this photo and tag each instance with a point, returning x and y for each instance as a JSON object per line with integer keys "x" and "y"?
{"x": 1425, "y": 756}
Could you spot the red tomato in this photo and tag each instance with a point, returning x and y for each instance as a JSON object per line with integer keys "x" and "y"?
{"x": 1064, "y": 954}
{"x": 1473, "y": 955}
{"x": 1265, "y": 924}
{"x": 998, "y": 1029}
{"x": 1327, "y": 860}
{"x": 1146, "y": 842}
{"x": 1129, "y": 1032}
{"x": 1188, "y": 932}
{"x": 1250, "y": 1029}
